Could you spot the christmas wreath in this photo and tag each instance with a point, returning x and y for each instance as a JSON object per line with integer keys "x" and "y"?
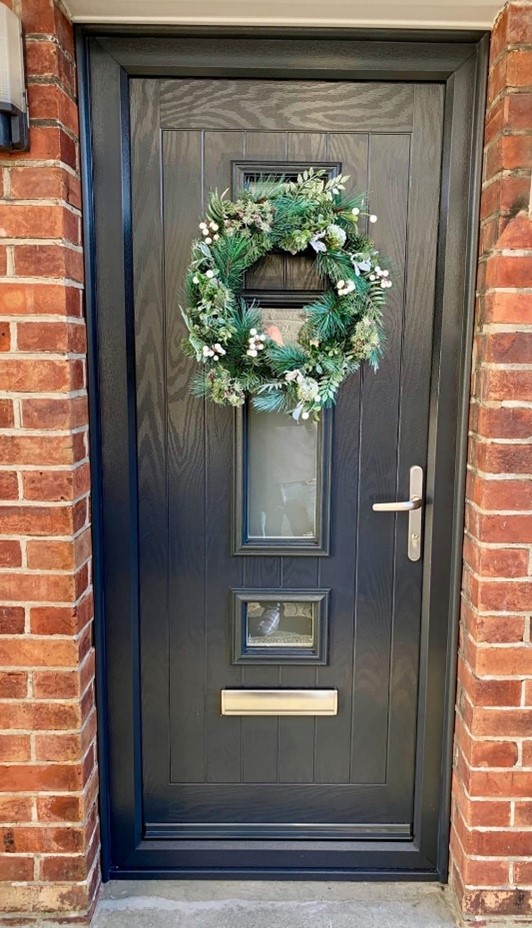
{"x": 241, "y": 356}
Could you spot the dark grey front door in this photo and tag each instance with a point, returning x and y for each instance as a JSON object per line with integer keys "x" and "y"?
{"x": 207, "y": 774}
{"x": 241, "y": 552}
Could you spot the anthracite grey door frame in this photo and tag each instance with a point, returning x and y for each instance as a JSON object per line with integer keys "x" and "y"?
{"x": 107, "y": 59}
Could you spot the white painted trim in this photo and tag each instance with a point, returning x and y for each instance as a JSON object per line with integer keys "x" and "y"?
{"x": 395, "y": 14}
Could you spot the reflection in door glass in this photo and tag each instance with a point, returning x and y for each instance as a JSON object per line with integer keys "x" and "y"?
{"x": 278, "y": 624}
{"x": 282, "y": 468}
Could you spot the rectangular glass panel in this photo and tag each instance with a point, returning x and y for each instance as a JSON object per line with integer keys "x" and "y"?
{"x": 282, "y": 323}
{"x": 280, "y": 624}
{"x": 282, "y": 476}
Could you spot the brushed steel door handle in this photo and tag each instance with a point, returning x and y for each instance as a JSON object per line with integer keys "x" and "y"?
{"x": 413, "y": 506}
{"x": 405, "y": 505}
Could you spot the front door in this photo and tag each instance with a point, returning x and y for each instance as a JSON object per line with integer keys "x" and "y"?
{"x": 284, "y": 715}
{"x": 313, "y": 590}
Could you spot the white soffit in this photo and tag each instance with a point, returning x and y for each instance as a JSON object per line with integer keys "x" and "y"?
{"x": 397, "y": 14}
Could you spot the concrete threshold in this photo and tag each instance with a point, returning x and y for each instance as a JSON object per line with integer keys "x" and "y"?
{"x": 257, "y": 904}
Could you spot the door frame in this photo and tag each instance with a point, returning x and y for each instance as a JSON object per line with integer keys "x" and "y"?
{"x": 107, "y": 58}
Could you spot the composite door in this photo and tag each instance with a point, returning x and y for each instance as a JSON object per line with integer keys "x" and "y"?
{"x": 263, "y": 565}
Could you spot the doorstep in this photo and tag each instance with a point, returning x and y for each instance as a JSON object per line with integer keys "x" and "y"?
{"x": 276, "y": 904}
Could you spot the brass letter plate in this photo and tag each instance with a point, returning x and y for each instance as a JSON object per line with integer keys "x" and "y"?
{"x": 279, "y": 702}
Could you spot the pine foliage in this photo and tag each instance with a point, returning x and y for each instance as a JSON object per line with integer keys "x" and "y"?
{"x": 342, "y": 329}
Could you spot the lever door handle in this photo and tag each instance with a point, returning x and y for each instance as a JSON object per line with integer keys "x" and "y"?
{"x": 413, "y": 506}
{"x": 405, "y": 505}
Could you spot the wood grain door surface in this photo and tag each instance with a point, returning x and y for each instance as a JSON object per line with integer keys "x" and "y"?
{"x": 339, "y": 777}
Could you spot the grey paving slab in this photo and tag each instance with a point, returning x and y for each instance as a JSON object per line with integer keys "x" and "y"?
{"x": 210, "y": 904}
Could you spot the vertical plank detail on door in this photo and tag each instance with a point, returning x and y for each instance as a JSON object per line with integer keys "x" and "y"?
{"x": 224, "y": 741}
{"x": 150, "y": 333}
{"x": 388, "y": 184}
{"x": 338, "y": 572}
{"x": 182, "y": 160}
{"x": 260, "y": 736}
{"x": 297, "y": 737}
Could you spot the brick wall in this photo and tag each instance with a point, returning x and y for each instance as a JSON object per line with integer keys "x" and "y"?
{"x": 491, "y": 843}
{"x": 48, "y": 775}
{"x": 49, "y": 849}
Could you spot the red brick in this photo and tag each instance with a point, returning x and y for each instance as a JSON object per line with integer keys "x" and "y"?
{"x": 10, "y": 553}
{"x": 502, "y": 722}
{"x": 46, "y": 777}
{"x": 499, "y": 629}
{"x": 523, "y": 814}
{"x": 49, "y": 143}
{"x": 50, "y": 102}
{"x": 46, "y": 587}
{"x": 519, "y": 25}
{"x": 51, "y": 336}
{"x": 15, "y": 809}
{"x": 64, "y": 868}
{"x": 60, "y": 808}
{"x": 501, "y": 458}
{"x": 498, "y": 596}
{"x": 519, "y": 68}
{"x": 485, "y": 872}
{"x": 506, "y": 529}
{"x": 48, "y": 59}
{"x": 58, "y": 747}
{"x": 11, "y": 620}
{"x": 6, "y": 414}
{"x": 14, "y": 748}
{"x": 16, "y": 868}
{"x": 43, "y": 375}
{"x": 63, "y": 413}
{"x": 31, "y": 221}
{"x": 8, "y": 485}
{"x": 512, "y": 270}
{"x": 56, "y": 684}
{"x": 35, "y": 652}
{"x": 47, "y": 839}
{"x": 497, "y": 494}
{"x": 48, "y": 261}
{"x": 40, "y": 298}
{"x": 5, "y": 336}
{"x": 3, "y": 260}
{"x": 506, "y": 384}
{"x": 13, "y": 684}
{"x": 59, "y": 555}
{"x": 499, "y": 902}
{"x": 523, "y": 872}
{"x": 48, "y": 183}
{"x": 505, "y": 661}
{"x": 50, "y": 485}
{"x": 60, "y": 620}
{"x": 36, "y": 520}
{"x": 496, "y": 562}
{"x": 508, "y": 347}
{"x": 493, "y": 754}
{"x": 38, "y": 16}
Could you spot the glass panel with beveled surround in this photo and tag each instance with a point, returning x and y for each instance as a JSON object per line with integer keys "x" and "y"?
{"x": 282, "y": 476}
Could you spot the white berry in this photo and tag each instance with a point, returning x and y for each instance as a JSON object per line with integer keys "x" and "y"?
{"x": 373, "y": 218}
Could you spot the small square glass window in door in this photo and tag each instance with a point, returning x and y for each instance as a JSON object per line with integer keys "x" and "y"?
{"x": 280, "y": 626}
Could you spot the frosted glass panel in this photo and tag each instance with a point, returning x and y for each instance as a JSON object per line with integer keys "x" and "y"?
{"x": 282, "y": 470}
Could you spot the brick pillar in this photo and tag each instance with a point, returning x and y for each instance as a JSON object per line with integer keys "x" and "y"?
{"x": 491, "y": 842}
{"x": 48, "y": 777}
